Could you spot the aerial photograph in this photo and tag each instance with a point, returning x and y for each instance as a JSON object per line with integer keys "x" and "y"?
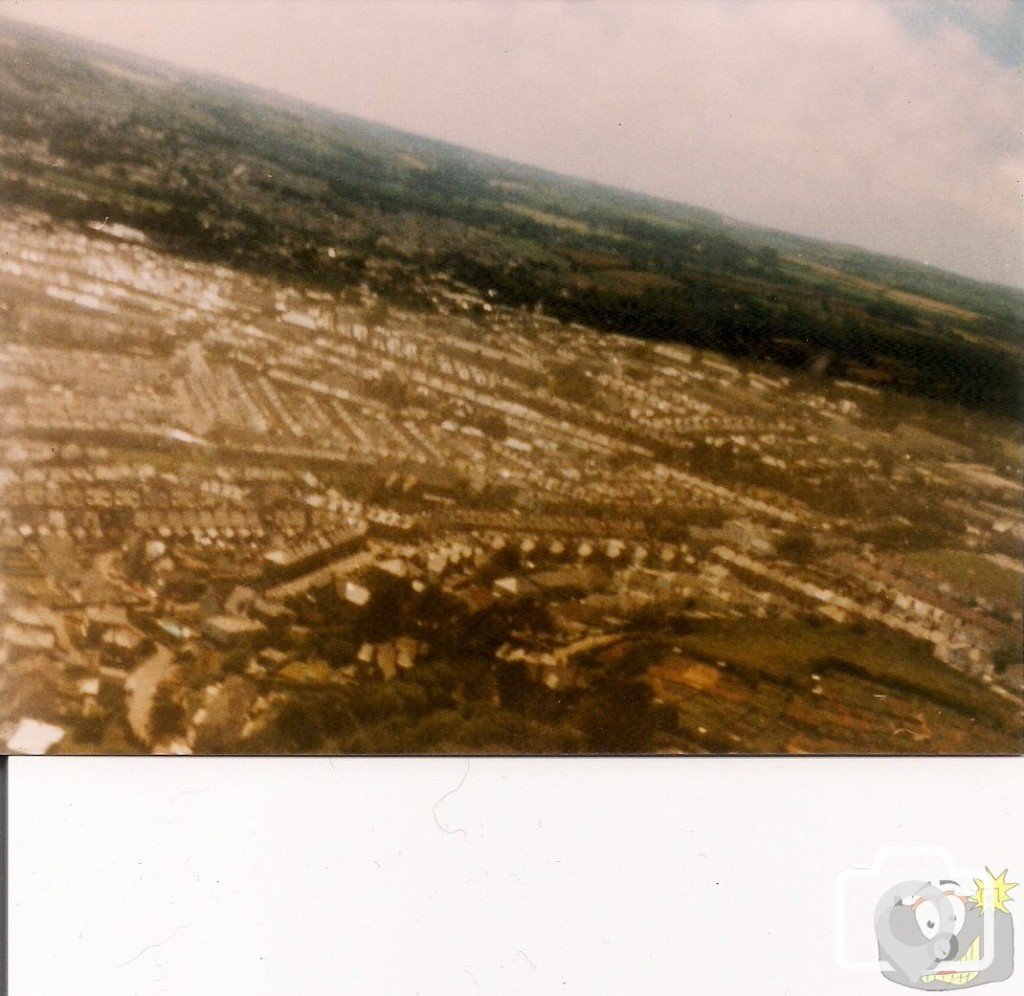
{"x": 511, "y": 378}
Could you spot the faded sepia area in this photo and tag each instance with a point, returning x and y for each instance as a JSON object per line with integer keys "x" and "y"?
{"x": 321, "y": 437}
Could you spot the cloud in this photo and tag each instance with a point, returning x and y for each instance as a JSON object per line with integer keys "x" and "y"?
{"x": 988, "y": 11}
{"x": 836, "y": 120}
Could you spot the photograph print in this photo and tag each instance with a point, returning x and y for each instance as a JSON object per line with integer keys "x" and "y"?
{"x": 511, "y": 378}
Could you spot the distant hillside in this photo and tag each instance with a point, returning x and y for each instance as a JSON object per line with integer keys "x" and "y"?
{"x": 220, "y": 171}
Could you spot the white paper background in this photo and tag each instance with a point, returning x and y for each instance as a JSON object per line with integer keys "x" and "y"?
{"x": 574, "y": 876}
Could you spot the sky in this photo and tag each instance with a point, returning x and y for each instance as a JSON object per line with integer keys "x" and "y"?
{"x": 896, "y": 126}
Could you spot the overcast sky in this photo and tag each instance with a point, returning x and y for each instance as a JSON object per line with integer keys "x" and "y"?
{"x": 895, "y": 126}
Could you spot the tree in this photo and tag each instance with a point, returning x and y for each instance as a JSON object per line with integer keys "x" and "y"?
{"x": 572, "y": 383}
{"x": 297, "y": 729}
{"x": 393, "y": 390}
{"x": 494, "y": 424}
{"x": 1006, "y": 657}
{"x": 377, "y": 314}
{"x": 618, "y": 717}
{"x": 167, "y": 718}
{"x": 797, "y": 547}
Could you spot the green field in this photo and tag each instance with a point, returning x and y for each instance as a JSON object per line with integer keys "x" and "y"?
{"x": 789, "y": 650}
{"x": 547, "y": 218}
{"x": 972, "y": 574}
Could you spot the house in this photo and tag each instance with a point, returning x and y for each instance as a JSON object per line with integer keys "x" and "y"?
{"x": 100, "y": 618}
{"x": 274, "y": 659}
{"x": 396, "y": 567}
{"x": 355, "y": 594}
{"x": 230, "y": 632}
{"x": 407, "y": 651}
{"x": 18, "y": 640}
{"x": 123, "y": 644}
{"x": 387, "y": 661}
{"x": 239, "y": 600}
{"x": 33, "y": 737}
{"x": 274, "y": 615}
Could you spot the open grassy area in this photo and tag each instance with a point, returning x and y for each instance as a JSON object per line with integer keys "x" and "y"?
{"x": 633, "y": 281}
{"x": 971, "y": 573}
{"x": 928, "y": 304}
{"x": 873, "y": 288}
{"x": 547, "y": 218}
{"x": 784, "y": 648}
{"x": 788, "y": 650}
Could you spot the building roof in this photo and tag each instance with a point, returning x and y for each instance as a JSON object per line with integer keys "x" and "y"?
{"x": 34, "y": 737}
{"x": 232, "y": 625}
{"x": 28, "y": 637}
